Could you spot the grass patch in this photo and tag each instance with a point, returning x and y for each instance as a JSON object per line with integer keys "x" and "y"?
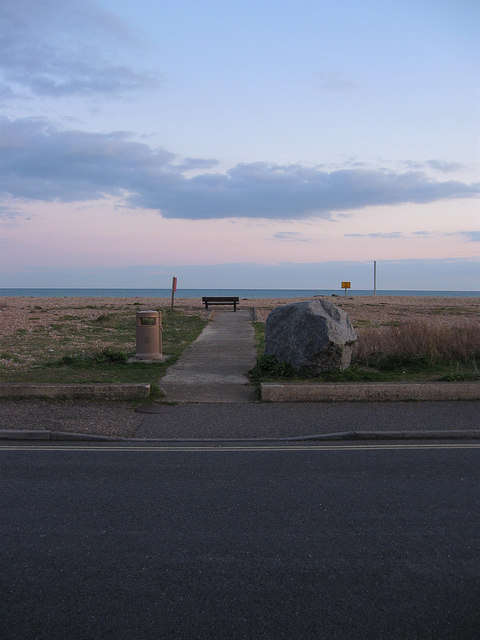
{"x": 362, "y": 323}
{"x": 259, "y": 329}
{"x": 460, "y": 377}
{"x": 95, "y": 351}
{"x": 353, "y": 374}
{"x": 269, "y": 367}
{"x": 103, "y": 356}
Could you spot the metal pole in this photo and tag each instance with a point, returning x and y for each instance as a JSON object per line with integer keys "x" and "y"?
{"x": 374, "y": 277}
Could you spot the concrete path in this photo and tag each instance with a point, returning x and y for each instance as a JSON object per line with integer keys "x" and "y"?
{"x": 214, "y": 367}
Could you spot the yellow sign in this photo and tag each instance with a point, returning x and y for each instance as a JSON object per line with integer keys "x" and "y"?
{"x": 345, "y": 285}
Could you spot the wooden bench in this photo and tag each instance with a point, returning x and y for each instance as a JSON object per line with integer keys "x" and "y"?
{"x": 220, "y": 300}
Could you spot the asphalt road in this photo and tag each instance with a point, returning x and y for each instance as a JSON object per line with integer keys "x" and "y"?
{"x": 303, "y": 542}
{"x": 235, "y": 420}
{"x": 293, "y": 419}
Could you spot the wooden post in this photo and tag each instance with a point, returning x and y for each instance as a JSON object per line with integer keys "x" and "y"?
{"x": 374, "y": 277}
{"x": 174, "y": 288}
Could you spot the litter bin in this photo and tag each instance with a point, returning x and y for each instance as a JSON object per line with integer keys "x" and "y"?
{"x": 149, "y": 335}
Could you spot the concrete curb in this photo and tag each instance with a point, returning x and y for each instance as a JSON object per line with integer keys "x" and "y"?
{"x": 96, "y": 391}
{"x": 19, "y": 434}
{"x": 452, "y": 434}
{"x": 369, "y": 391}
{"x": 465, "y": 434}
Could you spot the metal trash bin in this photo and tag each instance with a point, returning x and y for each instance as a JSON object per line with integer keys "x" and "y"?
{"x": 149, "y": 335}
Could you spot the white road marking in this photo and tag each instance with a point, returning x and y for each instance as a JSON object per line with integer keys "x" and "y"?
{"x": 231, "y": 448}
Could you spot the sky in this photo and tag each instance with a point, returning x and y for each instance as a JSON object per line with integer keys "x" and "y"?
{"x": 251, "y": 144}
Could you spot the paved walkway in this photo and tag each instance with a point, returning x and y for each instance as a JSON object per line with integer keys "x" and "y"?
{"x": 214, "y": 367}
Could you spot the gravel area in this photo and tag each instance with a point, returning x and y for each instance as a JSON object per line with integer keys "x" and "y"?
{"x": 28, "y": 313}
{"x": 60, "y": 325}
{"x": 94, "y": 418}
{"x": 378, "y": 310}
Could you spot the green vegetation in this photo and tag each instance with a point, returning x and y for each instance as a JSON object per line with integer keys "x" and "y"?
{"x": 393, "y": 352}
{"x": 362, "y": 323}
{"x": 103, "y": 356}
{"x": 92, "y": 350}
{"x": 268, "y": 366}
{"x": 259, "y": 328}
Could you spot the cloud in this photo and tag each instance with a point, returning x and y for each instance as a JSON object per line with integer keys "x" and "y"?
{"x": 438, "y": 165}
{"x": 40, "y": 161}
{"x": 472, "y": 236}
{"x": 63, "y": 48}
{"x": 193, "y": 164}
{"x": 290, "y": 236}
{"x": 446, "y": 167}
{"x": 334, "y": 81}
{"x": 11, "y": 218}
{"x": 7, "y": 214}
{"x": 391, "y": 234}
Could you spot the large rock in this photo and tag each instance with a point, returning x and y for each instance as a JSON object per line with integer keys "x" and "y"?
{"x": 313, "y": 337}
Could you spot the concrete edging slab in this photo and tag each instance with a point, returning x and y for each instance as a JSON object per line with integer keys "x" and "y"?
{"x": 31, "y": 434}
{"x": 97, "y": 391}
{"x": 469, "y": 434}
{"x": 369, "y": 392}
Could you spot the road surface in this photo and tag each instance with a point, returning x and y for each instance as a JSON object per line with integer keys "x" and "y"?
{"x": 338, "y": 541}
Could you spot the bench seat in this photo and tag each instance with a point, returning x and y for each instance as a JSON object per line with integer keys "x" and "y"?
{"x": 210, "y": 300}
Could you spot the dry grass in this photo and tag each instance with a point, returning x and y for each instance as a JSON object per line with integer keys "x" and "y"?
{"x": 410, "y": 335}
{"x": 420, "y": 340}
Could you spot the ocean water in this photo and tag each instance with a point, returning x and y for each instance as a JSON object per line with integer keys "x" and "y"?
{"x": 241, "y": 293}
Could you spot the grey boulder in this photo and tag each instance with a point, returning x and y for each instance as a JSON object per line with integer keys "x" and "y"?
{"x": 313, "y": 337}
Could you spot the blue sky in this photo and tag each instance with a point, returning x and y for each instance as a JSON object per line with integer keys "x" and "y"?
{"x": 239, "y": 144}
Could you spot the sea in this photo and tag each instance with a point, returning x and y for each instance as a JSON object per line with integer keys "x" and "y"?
{"x": 241, "y": 293}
